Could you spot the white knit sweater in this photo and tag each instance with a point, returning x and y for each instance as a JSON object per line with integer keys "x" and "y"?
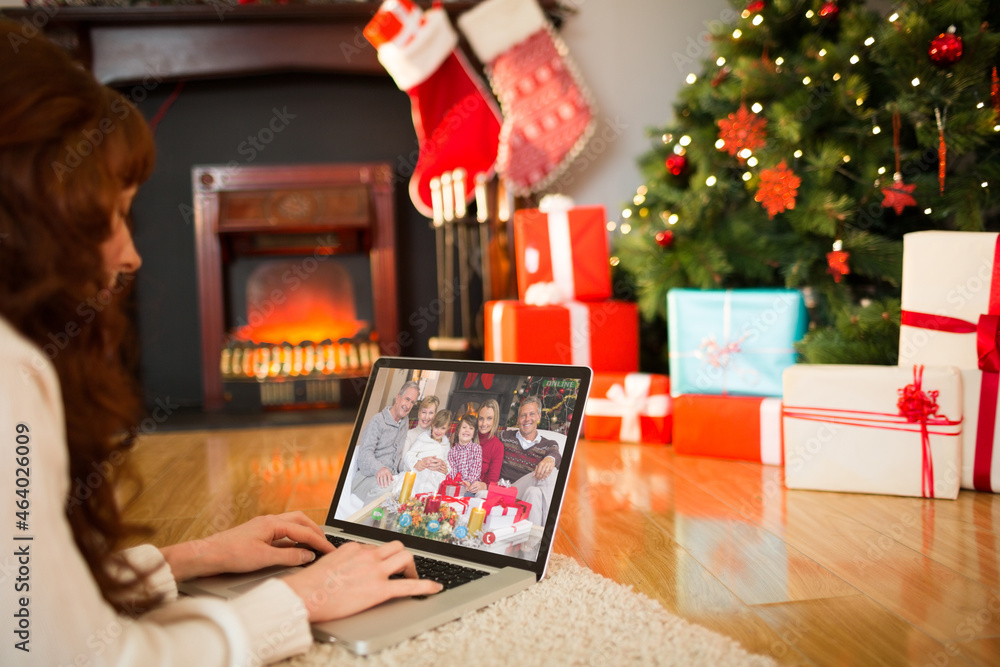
{"x": 47, "y": 594}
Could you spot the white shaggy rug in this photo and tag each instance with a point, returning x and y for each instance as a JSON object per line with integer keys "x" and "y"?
{"x": 572, "y": 617}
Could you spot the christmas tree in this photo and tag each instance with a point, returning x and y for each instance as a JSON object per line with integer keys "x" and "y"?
{"x": 813, "y": 138}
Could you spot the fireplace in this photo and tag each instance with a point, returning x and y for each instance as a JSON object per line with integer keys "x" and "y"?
{"x": 289, "y": 260}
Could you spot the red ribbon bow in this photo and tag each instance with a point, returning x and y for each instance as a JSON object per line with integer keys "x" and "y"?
{"x": 918, "y": 405}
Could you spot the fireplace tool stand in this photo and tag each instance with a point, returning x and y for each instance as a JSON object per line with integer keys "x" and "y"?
{"x": 473, "y": 259}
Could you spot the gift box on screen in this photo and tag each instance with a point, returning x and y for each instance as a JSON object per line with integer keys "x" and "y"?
{"x": 499, "y": 495}
{"x": 451, "y": 486}
{"x": 565, "y": 246}
{"x": 629, "y": 407}
{"x": 732, "y": 341}
{"x": 604, "y": 336}
{"x": 951, "y": 316}
{"x": 894, "y": 430}
{"x": 499, "y": 516}
{"x": 728, "y": 427}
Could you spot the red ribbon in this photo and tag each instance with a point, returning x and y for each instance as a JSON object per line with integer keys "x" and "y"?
{"x": 915, "y": 406}
{"x": 987, "y": 331}
{"x": 918, "y": 405}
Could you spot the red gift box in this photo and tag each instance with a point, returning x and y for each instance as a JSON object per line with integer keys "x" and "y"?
{"x": 604, "y": 336}
{"x": 568, "y": 247}
{"x": 523, "y": 510}
{"x": 451, "y": 486}
{"x": 629, "y": 407}
{"x": 729, "y": 427}
{"x": 499, "y": 495}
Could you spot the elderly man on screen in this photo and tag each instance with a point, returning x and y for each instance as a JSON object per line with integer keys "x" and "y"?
{"x": 530, "y": 460}
{"x": 380, "y": 447}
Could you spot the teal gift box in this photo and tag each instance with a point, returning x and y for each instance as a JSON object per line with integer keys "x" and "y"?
{"x": 734, "y": 341}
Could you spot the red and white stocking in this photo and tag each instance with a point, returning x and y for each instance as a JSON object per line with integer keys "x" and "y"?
{"x": 455, "y": 117}
{"x": 548, "y": 116}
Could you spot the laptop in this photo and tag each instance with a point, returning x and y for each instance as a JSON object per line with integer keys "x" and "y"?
{"x": 499, "y": 544}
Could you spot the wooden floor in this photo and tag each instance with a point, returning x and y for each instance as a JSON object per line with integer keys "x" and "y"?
{"x": 806, "y": 577}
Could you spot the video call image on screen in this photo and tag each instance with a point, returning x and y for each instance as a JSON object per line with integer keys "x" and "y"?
{"x": 440, "y": 456}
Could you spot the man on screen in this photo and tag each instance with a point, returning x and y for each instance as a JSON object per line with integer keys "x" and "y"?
{"x": 380, "y": 447}
{"x": 530, "y": 459}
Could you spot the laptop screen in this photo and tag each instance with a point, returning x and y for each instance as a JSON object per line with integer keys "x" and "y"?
{"x": 453, "y": 456}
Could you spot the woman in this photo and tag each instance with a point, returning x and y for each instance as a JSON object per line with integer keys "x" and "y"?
{"x": 72, "y": 154}
{"x": 426, "y": 409}
{"x": 488, "y": 422}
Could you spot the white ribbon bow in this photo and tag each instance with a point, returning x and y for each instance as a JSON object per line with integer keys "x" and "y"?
{"x": 630, "y": 402}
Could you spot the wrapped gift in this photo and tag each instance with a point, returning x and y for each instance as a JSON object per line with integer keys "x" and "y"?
{"x": 496, "y": 494}
{"x": 604, "y": 336}
{"x": 628, "y": 407}
{"x": 732, "y": 341}
{"x": 894, "y": 430}
{"x": 728, "y": 427}
{"x": 568, "y": 247}
{"x": 499, "y": 534}
{"x": 464, "y": 507}
{"x": 499, "y": 516}
{"x": 522, "y": 510}
{"x": 451, "y": 486}
{"x": 951, "y": 316}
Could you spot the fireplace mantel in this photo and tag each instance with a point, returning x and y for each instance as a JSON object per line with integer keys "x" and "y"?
{"x": 133, "y": 45}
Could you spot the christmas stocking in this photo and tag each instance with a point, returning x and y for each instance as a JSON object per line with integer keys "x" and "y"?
{"x": 548, "y": 116}
{"x": 456, "y": 119}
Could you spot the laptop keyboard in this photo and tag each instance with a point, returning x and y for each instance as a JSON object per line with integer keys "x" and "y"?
{"x": 447, "y": 574}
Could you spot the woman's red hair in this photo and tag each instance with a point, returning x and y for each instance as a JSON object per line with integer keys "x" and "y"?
{"x": 68, "y": 147}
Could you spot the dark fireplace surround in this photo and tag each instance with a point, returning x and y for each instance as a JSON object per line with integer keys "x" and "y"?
{"x": 223, "y": 41}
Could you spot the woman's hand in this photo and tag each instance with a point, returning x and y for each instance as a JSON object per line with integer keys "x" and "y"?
{"x": 420, "y": 464}
{"x": 258, "y": 543}
{"x": 355, "y": 577}
{"x": 476, "y": 487}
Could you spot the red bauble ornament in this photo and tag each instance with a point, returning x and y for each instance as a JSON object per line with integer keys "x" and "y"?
{"x": 664, "y": 238}
{"x": 829, "y": 10}
{"x": 676, "y": 164}
{"x": 755, "y": 6}
{"x": 946, "y": 49}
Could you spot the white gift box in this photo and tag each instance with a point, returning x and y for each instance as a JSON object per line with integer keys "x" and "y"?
{"x": 980, "y": 463}
{"x": 893, "y": 430}
{"x": 951, "y": 317}
{"x": 464, "y": 509}
{"x": 499, "y": 517}
{"x": 947, "y": 278}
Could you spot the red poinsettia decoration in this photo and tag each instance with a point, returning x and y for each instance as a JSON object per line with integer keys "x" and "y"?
{"x": 742, "y": 129}
{"x": 898, "y": 195}
{"x": 778, "y": 188}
